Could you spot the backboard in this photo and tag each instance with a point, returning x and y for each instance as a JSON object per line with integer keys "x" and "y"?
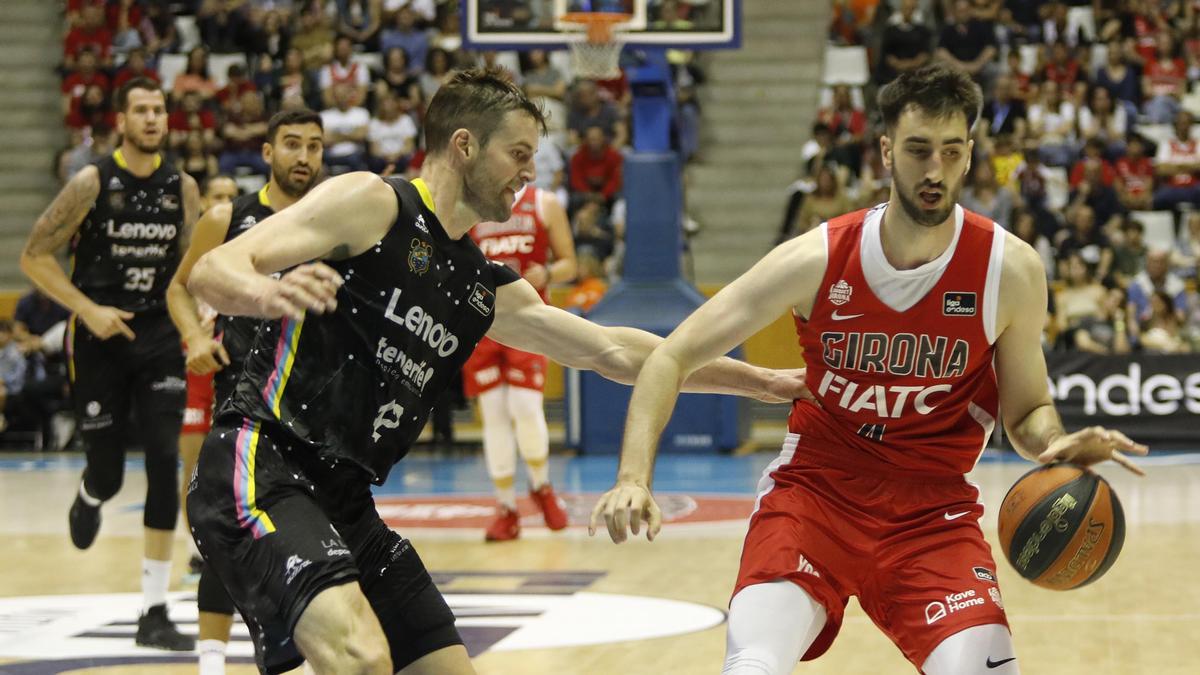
{"x": 528, "y": 24}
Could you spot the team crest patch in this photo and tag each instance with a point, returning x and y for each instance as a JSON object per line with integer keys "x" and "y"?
{"x": 955, "y": 303}
{"x": 482, "y": 299}
{"x": 839, "y": 293}
{"x": 419, "y": 257}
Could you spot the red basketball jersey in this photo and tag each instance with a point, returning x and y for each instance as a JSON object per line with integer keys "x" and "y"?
{"x": 521, "y": 241}
{"x": 907, "y": 389}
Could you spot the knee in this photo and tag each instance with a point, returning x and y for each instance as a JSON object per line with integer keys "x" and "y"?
{"x": 104, "y": 482}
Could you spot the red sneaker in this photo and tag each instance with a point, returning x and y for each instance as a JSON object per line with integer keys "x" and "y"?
{"x": 506, "y": 526}
{"x": 552, "y": 512}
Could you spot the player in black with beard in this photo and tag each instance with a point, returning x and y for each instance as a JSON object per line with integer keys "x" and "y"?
{"x": 129, "y": 218}
{"x": 336, "y": 392}
{"x": 294, "y": 149}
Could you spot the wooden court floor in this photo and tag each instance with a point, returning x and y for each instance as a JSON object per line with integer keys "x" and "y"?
{"x": 562, "y": 603}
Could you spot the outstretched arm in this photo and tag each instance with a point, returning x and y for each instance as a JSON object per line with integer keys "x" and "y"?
{"x": 338, "y": 219}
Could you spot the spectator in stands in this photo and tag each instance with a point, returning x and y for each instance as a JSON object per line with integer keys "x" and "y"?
{"x": 1157, "y": 277}
{"x": 592, "y": 238}
{"x": 984, "y": 196}
{"x": 260, "y": 11}
{"x": 1186, "y": 258}
{"x": 550, "y": 167}
{"x": 398, "y": 80}
{"x": 589, "y": 110}
{"x": 271, "y": 38}
{"x": 1104, "y": 119}
{"x": 1004, "y": 113}
{"x": 437, "y": 70}
{"x": 86, "y": 74}
{"x": 346, "y": 126}
{"x": 36, "y": 313}
{"x": 848, "y": 124}
{"x": 124, "y": 18}
{"x": 1007, "y": 160}
{"x": 590, "y": 286}
{"x": 192, "y": 117}
{"x": 244, "y": 131}
{"x": 1063, "y": 67}
{"x": 158, "y": 31}
{"x": 89, "y": 112}
{"x": 1025, "y": 227}
{"x": 196, "y": 159}
{"x": 1165, "y": 80}
{"x": 314, "y": 36}
{"x": 1162, "y": 329}
{"x": 360, "y": 20}
{"x": 1129, "y": 256}
{"x": 1052, "y": 125}
{"x": 224, "y": 26}
{"x": 91, "y": 32}
{"x": 404, "y": 33}
{"x": 74, "y": 10}
{"x": 1177, "y": 165}
{"x": 39, "y": 324}
{"x": 1080, "y": 299}
{"x": 1056, "y": 26}
{"x": 826, "y": 201}
{"x": 391, "y": 136}
{"x": 1117, "y": 76}
{"x": 195, "y": 77}
{"x": 344, "y": 70}
{"x": 97, "y": 145}
{"x": 1107, "y": 333}
{"x": 426, "y": 10}
{"x": 1093, "y": 155}
{"x": 135, "y": 66}
{"x": 540, "y": 78}
{"x": 12, "y": 369}
{"x": 237, "y": 84}
{"x": 1087, "y": 241}
{"x": 596, "y": 169}
{"x": 851, "y": 21}
{"x": 294, "y": 82}
{"x": 1135, "y": 175}
{"x": 969, "y": 44}
{"x": 1021, "y": 20}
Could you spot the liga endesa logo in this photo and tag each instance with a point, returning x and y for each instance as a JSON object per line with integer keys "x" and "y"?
{"x": 49, "y": 635}
{"x": 454, "y": 512}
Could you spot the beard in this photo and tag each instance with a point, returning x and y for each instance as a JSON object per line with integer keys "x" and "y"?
{"x": 292, "y": 187}
{"x": 924, "y": 217}
{"x": 491, "y": 208}
{"x": 145, "y": 145}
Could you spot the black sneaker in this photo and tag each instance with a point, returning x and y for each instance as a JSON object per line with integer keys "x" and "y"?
{"x": 156, "y": 630}
{"x": 85, "y": 523}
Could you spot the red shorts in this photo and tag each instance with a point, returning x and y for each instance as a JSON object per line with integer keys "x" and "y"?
{"x": 197, "y": 414}
{"x": 911, "y": 550}
{"x": 493, "y": 364}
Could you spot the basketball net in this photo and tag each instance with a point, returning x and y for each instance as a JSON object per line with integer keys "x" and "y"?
{"x": 597, "y": 57}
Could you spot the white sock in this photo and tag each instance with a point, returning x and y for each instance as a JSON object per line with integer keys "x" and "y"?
{"x": 212, "y": 657}
{"x": 499, "y": 445}
{"x": 507, "y": 496}
{"x": 87, "y": 499}
{"x": 156, "y": 576}
{"x": 533, "y": 439}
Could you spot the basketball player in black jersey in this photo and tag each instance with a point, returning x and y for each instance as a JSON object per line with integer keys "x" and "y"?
{"x": 128, "y": 218}
{"x": 294, "y": 151}
{"x": 337, "y": 390}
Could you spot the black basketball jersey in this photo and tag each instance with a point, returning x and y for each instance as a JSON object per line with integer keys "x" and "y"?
{"x": 358, "y": 383}
{"x": 237, "y": 332}
{"x": 127, "y": 248}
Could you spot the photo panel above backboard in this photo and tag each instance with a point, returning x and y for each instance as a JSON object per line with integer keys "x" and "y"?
{"x": 526, "y": 24}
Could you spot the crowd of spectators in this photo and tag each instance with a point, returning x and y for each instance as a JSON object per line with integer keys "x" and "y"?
{"x": 1086, "y": 139}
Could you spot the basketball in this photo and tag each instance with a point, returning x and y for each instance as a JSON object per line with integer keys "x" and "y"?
{"x": 1061, "y": 526}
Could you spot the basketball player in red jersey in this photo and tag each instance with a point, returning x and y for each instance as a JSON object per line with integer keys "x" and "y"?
{"x": 509, "y": 382}
{"x": 919, "y": 322}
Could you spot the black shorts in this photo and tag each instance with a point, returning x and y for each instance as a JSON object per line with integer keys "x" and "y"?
{"x": 279, "y": 526}
{"x": 107, "y": 376}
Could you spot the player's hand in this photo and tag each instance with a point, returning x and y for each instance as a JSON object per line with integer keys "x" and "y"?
{"x": 105, "y": 322}
{"x": 205, "y": 355}
{"x": 785, "y": 386}
{"x": 312, "y": 286}
{"x": 627, "y": 505}
{"x": 537, "y": 276}
{"x": 1094, "y": 445}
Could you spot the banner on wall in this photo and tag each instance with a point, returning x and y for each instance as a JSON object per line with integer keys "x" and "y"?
{"x": 1152, "y": 398}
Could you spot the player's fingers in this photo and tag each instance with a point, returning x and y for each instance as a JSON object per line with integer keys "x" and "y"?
{"x": 636, "y": 506}
{"x": 620, "y": 519}
{"x": 1120, "y": 458}
{"x": 597, "y": 514}
{"x": 222, "y": 356}
{"x": 1129, "y": 445}
{"x": 1048, "y": 456}
{"x": 654, "y": 523}
{"x": 312, "y": 285}
{"x": 299, "y": 297}
{"x": 124, "y": 315}
{"x": 124, "y": 329}
{"x": 325, "y": 273}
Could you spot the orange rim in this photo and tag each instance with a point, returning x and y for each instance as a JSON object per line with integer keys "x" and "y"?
{"x": 599, "y": 25}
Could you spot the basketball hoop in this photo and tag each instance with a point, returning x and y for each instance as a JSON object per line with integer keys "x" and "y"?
{"x": 597, "y": 57}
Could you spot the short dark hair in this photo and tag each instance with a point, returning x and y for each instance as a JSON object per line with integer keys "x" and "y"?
{"x": 122, "y": 100}
{"x": 289, "y": 117}
{"x": 208, "y": 181}
{"x": 938, "y": 90}
{"x": 476, "y": 100}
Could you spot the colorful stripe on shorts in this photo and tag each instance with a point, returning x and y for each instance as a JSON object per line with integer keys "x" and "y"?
{"x": 285, "y": 358}
{"x": 248, "y": 513}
